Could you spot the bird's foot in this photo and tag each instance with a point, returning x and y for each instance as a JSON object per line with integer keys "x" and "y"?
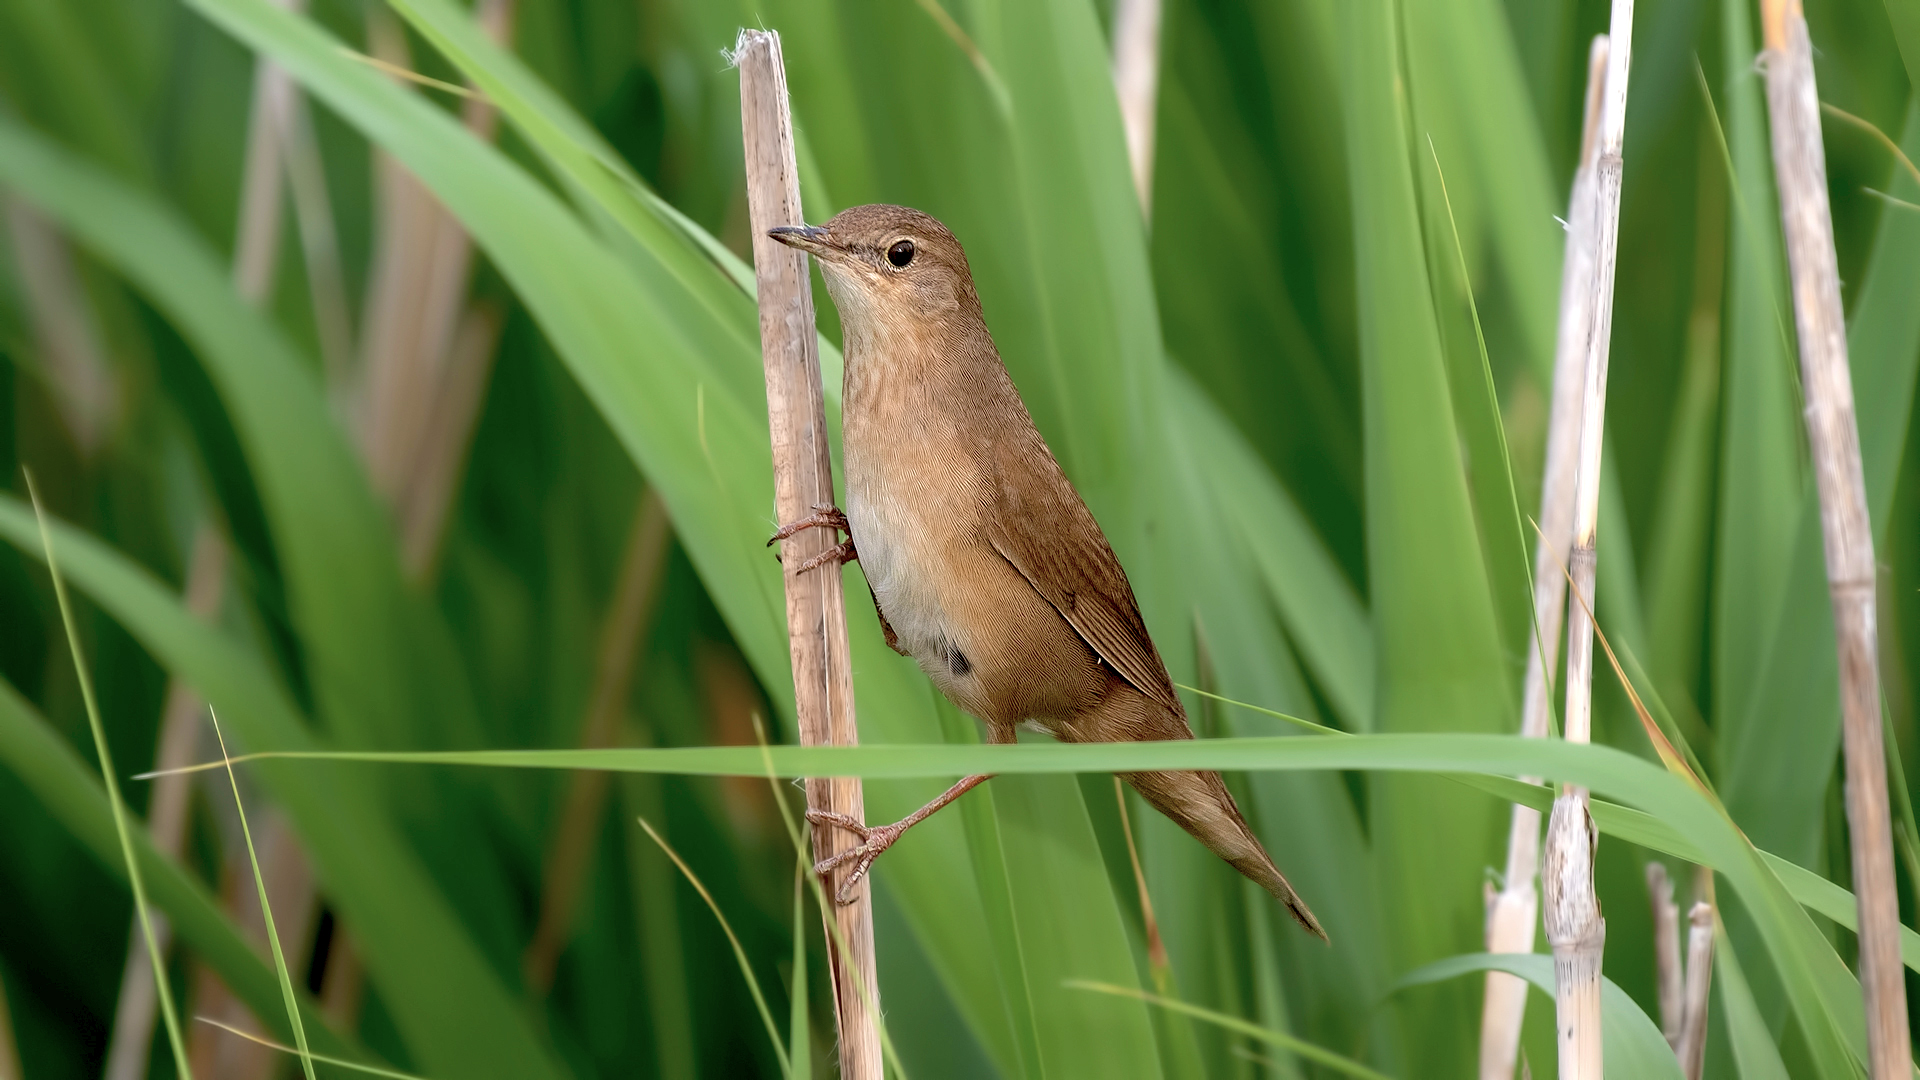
{"x": 824, "y": 516}
{"x": 839, "y": 555}
{"x": 874, "y": 839}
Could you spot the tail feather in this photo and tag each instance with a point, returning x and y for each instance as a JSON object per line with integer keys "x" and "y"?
{"x": 1200, "y": 803}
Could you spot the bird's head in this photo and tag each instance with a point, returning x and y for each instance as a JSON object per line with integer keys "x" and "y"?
{"x": 888, "y": 267}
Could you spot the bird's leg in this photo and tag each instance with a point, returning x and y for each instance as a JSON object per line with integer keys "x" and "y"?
{"x": 839, "y": 555}
{"x": 875, "y": 839}
{"x": 825, "y": 515}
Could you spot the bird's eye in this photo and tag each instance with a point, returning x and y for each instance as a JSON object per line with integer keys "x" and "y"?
{"x": 901, "y": 253}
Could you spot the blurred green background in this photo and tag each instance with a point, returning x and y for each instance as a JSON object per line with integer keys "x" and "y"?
{"x": 391, "y": 416}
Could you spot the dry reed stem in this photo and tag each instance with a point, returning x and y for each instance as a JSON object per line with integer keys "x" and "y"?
{"x": 343, "y": 982}
{"x": 136, "y": 1010}
{"x": 66, "y": 333}
{"x": 1669, "y": 974}
{"x": 447, "y": 434}
{"x": 803, "y": 479}
{"x": 1692, "y": 1047}
{"x": 9, "y": 1049}
{"x": 1136, "y": 82}
{"x": 289, "y": 878}
{"x": 1513, "y": 911}
{"x": 256, "y": 245}
{"x": 1793, "y": 109}
{"x": 1573, "y": 921}
{"x": 319, "y": 244}
{"x": 425, "y": 353}
{"x": 570, "y": 849}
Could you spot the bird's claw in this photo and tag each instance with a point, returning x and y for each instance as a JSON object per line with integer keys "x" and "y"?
{"x": 874, "y": 839}
{"x": 839, "y": 555}
{"x": 825, "y": 515}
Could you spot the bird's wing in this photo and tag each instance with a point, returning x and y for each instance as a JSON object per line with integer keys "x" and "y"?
{"x": 1040, "y": 525}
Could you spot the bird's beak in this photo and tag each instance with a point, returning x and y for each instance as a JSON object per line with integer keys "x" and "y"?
{"x": 809, "y": 238}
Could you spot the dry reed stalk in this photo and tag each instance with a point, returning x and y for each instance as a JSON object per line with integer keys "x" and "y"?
{"x": 1692, "y": 1046}
{"x": 803, "y": 479}
{"x": 256, "y": 245}
{"x": 441, "y": 454}
{"x": 133, "y": 1016}
{"x": 1799, "y": 165}
{"x": 319, "y": 244}
{"x": 1573, "y": 921}
{"x": 1669, "y": 974}
{"x": 9, "y": 1049}
{"x": 290, "y": 885}
{"x": 280, "y": 145}
{"x": 1513, "y": 911}
{"x": 66, "y": 334}
{"x": 343, "y": 982}
{"x": 570, "y": 849}
{"x": 425, "y": 353}
{"x": 1136, "y": 82}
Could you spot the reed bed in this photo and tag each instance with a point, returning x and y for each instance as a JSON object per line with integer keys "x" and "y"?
{"x": 395, "y": 381}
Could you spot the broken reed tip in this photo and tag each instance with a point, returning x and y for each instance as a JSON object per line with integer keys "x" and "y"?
{"x": 747, "y": 38}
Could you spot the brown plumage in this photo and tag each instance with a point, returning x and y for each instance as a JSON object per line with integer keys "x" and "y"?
{"x": 986, "y": 567}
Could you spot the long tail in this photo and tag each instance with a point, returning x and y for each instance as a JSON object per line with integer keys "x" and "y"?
{"x": 1200, "y": 803}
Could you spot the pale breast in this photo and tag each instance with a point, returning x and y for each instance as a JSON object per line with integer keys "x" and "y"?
{"x": 907, "y": 521}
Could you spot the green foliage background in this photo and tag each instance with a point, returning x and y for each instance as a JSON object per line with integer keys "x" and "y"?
{"x": 1270, "y": 393}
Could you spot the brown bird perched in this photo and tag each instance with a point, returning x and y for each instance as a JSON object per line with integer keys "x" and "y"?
{"x": 985, "y": 565}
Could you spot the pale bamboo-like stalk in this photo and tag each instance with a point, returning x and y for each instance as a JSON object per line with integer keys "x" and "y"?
{"x": 570, "y": 849}
{"x": 426, "y": 352}
{"x": 1136, "y": 82}
{"x": 1573, "y": 922}
{"x": 1799, "y": 166}
{"x": 66, "y": 332}
{"x": 1692, "y": 1047}
{"x": 803, "y": 479}
{"x": 1513, "y": 911}
{"x": 1669, "y": 975}
{"x": 256, "y": 246}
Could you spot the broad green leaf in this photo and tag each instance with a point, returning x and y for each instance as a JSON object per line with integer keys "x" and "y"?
{"x": 1762, "y": 761}
{"x": 72, "y": 796}
{"x": 1754, "y": 1054}
{"x": 1824, "y": 995}
{"x": 1632, "y": 1045}
{"x": 1469, "y": 98}
{"x": 380, "y": 663}
{"x": 446, "y": 999}
{"x": 1439, "y": 664}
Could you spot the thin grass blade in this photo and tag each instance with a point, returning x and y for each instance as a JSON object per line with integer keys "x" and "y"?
{"x": 135, "y": 876}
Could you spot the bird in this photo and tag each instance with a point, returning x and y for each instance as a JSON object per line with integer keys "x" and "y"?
{"x": 984, "y": 564}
